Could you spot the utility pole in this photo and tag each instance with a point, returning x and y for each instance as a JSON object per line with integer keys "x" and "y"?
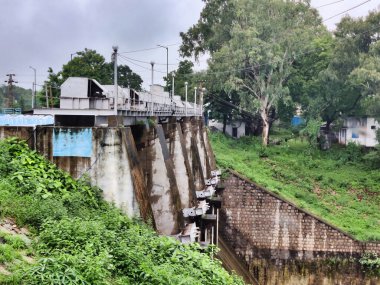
{"x": 34, "y": 87}
{"x": 151, "y": 94}
{"x": 10, "y": 96}
{"x": 46, "y": 96}
{"x": 186, "y": 84}
{"x": 152, "y": 64}
{"x": 114, "y": 55}
{"x": 195, "y": 101}
{"x": 167, "y": 60}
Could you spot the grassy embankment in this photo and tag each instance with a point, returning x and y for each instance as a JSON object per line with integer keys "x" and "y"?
{"x": 77, "y": 238}
{"x": 335, "y": 184}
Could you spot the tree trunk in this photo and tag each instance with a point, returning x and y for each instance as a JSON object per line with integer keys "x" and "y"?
{"x": 224, "y": 123}
{"x": 266, "y": 126}
{"x": 328, "y": 125}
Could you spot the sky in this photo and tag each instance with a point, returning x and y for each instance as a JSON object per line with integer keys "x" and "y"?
{"x": 46, "y": 33}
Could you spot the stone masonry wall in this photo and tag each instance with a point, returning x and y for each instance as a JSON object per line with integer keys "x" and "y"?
{"x": 259, "y": 224}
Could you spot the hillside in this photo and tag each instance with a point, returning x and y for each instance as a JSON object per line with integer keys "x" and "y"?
{"x": 55, "y": 230}
{"x": 335, "y": 184}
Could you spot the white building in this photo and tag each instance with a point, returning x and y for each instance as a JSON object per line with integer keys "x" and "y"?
{"x": 361, "y": 131}
{"x": 235, "y": 129}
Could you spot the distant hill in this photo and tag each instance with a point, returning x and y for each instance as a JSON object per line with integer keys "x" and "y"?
{"x": 23, "y": 97}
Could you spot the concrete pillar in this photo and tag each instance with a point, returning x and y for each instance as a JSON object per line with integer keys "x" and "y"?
{"x": 139, "y": 185}
{"x": 182, "y": 169}
{"x": 164, "y": 194}
{"x": 111, "y": 170}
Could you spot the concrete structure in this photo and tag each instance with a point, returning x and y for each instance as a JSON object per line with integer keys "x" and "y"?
{"x": 361, "y": 131}
{"x": 144, "y": 170}
{"x": 85, "y": 102}
{"x": 235, "y": 129}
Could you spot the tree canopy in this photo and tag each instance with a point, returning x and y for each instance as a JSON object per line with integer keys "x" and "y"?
{"x": 255, "y": 57}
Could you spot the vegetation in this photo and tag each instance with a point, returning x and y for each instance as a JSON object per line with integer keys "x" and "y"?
{"x": 77, "y": 238}
{"x": 269, "y": 57}
{"x": 23, "y": 97}
{"x": 336, "y": 184}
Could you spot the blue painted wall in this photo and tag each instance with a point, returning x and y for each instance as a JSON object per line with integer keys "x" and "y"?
{"x": 296, "y": 121}
{"x": 25, "y": 120}
{"x": 72, "y": 142}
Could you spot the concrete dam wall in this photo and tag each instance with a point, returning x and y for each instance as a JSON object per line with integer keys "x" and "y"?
{"x": 150, "y": 172}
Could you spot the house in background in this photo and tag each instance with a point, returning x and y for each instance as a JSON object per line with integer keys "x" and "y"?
{"x": 235, "y": 129}
{"x": 361, "y": 131}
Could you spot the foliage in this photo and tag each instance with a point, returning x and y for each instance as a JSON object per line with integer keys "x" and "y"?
{"x": 23, "y": 97}
{"x": 335, "y": 184}
{"x": 371, "y": 262}
{"x": 311, "y": 131}
{"x": 183, "y": 74}
{"x": 373, "y": 156}
{"x": 260, "y": 48}
{"x": 80, "y": 239}
{"x": 352, "y": 76}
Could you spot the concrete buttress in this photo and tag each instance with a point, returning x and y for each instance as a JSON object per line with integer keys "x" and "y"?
{"x": 164, "y": 194}
{"x": 183, "y": 171}
{"x": 111, "y": 170}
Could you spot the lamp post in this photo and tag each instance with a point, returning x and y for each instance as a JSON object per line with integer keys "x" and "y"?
{"x": 195, "y": 101}
{"x": 201, "y": 99}
{"x": 167, "y": 59}
{"x": 186, "y": 83}
{"x": 115, "y": 48}
{"x": 71, "y": 55}
{"x": 34, "y": 87}
{"x": 151, "y": 94}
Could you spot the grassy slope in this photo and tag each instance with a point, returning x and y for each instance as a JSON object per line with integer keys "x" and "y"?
{"x": 80, "y": 239}
{"x": 326, "y": 183}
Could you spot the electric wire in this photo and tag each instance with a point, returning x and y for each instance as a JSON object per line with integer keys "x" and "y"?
{"x": 328, "y": 4}
{"x": 141, "y": 61}
{"x": 127, "y": 60}
{"x": 352, "y": 8}
{"x": 151, "y": 48}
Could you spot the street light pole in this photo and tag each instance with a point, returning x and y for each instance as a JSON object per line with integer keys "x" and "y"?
{"x": 186, "y": 83}
{"x": 34, "y": 87}
{"x": 115, "y": 48}
{"x": 71, "y": 55}
{"x": 195, "y": 101}
{"x": 167, "y": 59}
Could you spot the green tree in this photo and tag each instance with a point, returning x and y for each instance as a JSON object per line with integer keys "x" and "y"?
{"x": 351, "y": 76}
{"x": 184, "y": 73}
{"x": 212, "y": 29}
{"x": 265, "y": 38}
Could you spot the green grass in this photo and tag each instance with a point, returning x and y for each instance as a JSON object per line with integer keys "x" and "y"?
{"x": 335, "y": 184}
{"x": 78, "y": 238}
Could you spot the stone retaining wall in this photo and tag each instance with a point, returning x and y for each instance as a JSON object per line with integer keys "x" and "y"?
{"x": 259, "y": 224}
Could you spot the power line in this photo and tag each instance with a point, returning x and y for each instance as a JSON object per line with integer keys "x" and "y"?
{"x": 328, "y": 4}
{"x": 141, "y": 61}
{"x": 352, "y": 8}
{"x": 147, "y": 49}
{"x": 126, "y": 59}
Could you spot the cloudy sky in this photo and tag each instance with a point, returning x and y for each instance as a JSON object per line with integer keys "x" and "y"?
{"x": 44, "y": 33}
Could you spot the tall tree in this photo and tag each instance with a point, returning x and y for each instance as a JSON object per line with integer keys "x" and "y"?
{"x": 264, "y": 39}
{"x": 212, "y": 29}
{"x": 349, "y": 79}
{"x": 184, "y": 73}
